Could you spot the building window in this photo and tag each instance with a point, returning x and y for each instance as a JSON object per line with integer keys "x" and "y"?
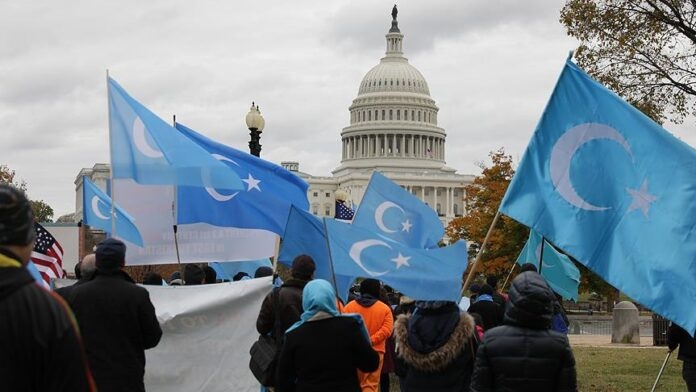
{"x": 419, "y": 115}
{"x": 315, "y": 194}
{"x": 456, "y": 192}
{"x": 376, "y": 115}
{"x": 391, "y": 112}
{"x": 315, "y": 209}
{"x": 369, "y": 116}
{"x": 383, "y": 116}
{"x": 327, "y": 209}
{"x": 398, "y": 114}
{"x": 439, "y": 209}
{"x": 427, "y": 193}
{"x": 456, "y": 209}
{"x": 328, "y": 194}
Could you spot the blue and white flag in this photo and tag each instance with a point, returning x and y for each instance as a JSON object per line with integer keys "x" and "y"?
{"x": 424, "y": 274}
{"x": 96, "y": 212}
{"x": 304, "y": 234}
{"x": 388, "y": 209}
{"x": 264, "y": 203}
{"x": 561, "y": 274}
{"x": 616, "y": 191}
{"x": 150, "y": 151}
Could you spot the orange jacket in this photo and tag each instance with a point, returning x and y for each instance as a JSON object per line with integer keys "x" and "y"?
{"x": 378, "y": 321}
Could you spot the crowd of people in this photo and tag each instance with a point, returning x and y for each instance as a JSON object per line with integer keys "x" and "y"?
{"x": 490, "y": 341}
{"x": 430, "y": 345}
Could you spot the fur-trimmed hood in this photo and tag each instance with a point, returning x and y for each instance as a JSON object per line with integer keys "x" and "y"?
{"x": 440, "y": 357}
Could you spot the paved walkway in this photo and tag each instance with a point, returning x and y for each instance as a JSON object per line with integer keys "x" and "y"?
{"x": 605, "y": 341}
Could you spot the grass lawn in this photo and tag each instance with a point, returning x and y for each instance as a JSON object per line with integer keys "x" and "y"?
{"x": 626, "y": 369}
{"x": 609, "y": 369}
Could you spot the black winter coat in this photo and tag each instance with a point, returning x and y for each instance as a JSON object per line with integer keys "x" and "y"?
{"x": 290, "y": 309}
{"x": 40, "y": 349}
{"x": 118, "y": 324}
{"x": 324, "y": 355}
{"x": 677, "y": 336}
{"x": 524, "y": 354}
{"x": 437, "y": 358}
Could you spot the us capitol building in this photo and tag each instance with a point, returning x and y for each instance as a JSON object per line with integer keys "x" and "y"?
{"x": 393, "y": 129}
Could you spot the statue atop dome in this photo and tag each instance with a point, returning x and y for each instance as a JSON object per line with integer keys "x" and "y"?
{"x": 395, "y": 23}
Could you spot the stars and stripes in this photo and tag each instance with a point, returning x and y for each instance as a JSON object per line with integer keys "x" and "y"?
{"x": 47, "y": 254}
{"x": 343, "y": 212}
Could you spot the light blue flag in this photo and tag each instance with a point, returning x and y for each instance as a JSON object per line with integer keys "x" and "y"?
{"x": 561, "y": 274}
{"x": 424, "y": 274}
{"x": 152, "y": 152}
{"x": 227, "y": 270}
{"x": 388, "y": 209}
{"x": 304, "y": 234}
{"x": 616, "y": 191}
{"x": 96, "y": 212}
{"x": 264, "y": 203}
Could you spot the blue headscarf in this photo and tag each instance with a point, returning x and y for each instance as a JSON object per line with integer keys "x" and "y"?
{"x": 319, "y": 302}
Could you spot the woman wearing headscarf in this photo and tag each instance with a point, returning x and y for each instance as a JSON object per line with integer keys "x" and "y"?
{"x": 324, "y": 350}
{"x": 438, "y": 346}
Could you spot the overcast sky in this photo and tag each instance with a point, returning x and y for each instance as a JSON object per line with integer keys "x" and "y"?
{"x": 490, "y": 66}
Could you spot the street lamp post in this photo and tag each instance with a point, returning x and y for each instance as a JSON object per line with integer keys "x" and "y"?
{"x": 255, "y": 123}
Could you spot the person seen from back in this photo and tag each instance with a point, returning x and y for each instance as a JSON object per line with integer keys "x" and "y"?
{"x": 524, "y": 354}
{"x": 117, "y": 320}
{"x": 379, "y": 322}
{"x": 324, "y": 350}
{"x": 498, "y": 297}
{"x": 40, "y": 346}
{"x": 438, "y": 346}
{"x": 677, "y": 336}
{"x": 491, "y": 313}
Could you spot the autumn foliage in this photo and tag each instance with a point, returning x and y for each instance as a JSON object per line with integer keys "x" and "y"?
{"x": 482, "y": 199}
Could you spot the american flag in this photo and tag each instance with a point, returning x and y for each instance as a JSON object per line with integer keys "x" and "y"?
{"x": 47, "y": 254}
{"x": 343, "y": 212}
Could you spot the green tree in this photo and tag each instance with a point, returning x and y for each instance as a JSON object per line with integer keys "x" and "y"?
{"x": 482, "y": 199}
{"x": 642, "y": 49}
{"x": 42, "y": 211}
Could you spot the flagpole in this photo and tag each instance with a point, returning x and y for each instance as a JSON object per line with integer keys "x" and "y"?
{"x": 480, "y": 253}
{"x": 508, "y": 276}
{"x": 111, "y": 153}
{"x": 662, "y": 369}
{"x": 174, "y": 217}
{"x": 541, "y": 254}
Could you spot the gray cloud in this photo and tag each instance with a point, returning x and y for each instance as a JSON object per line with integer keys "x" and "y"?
{"x": 490, "y": 65}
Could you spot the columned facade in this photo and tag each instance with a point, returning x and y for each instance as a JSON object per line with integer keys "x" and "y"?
{"x": 393, "y": 128}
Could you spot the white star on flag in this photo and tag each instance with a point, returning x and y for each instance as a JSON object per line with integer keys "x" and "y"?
{"x": 641, "y": 199}
{"x": 401, "y": 261}
{"x": 252, "y": 183}
{"x": 406, "y": 226}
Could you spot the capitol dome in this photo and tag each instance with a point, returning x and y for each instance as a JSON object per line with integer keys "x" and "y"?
{"x": 393, "y": 119}
{"x": 394, "y": 75}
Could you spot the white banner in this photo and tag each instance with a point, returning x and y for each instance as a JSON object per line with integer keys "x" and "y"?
{"x": 151, "y": 208}
{"x": 207, "y": 333}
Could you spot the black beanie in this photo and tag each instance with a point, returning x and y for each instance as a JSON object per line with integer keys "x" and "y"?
{"x": 371, "y": 287}
{"x": 16, "y": 217}
{"x": 110, "y": 254}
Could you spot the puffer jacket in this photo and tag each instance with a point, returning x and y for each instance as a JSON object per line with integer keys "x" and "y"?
{"x": 524, "y": 354}
{"x": 438, "y": 354}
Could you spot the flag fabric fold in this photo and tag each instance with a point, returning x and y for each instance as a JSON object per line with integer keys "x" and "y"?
{"x": 264, "y": 202}
{"x": 304, "y": 234}
{"x": 47, "y": 254}
{"x": 616, "y": 191}
{"x": 558, "y": 270}
{"x": 425, "y": 274}
{"x": 96, "y": 212}
{"x": 150, "y": 151}
{"x": 393, "y": 212}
